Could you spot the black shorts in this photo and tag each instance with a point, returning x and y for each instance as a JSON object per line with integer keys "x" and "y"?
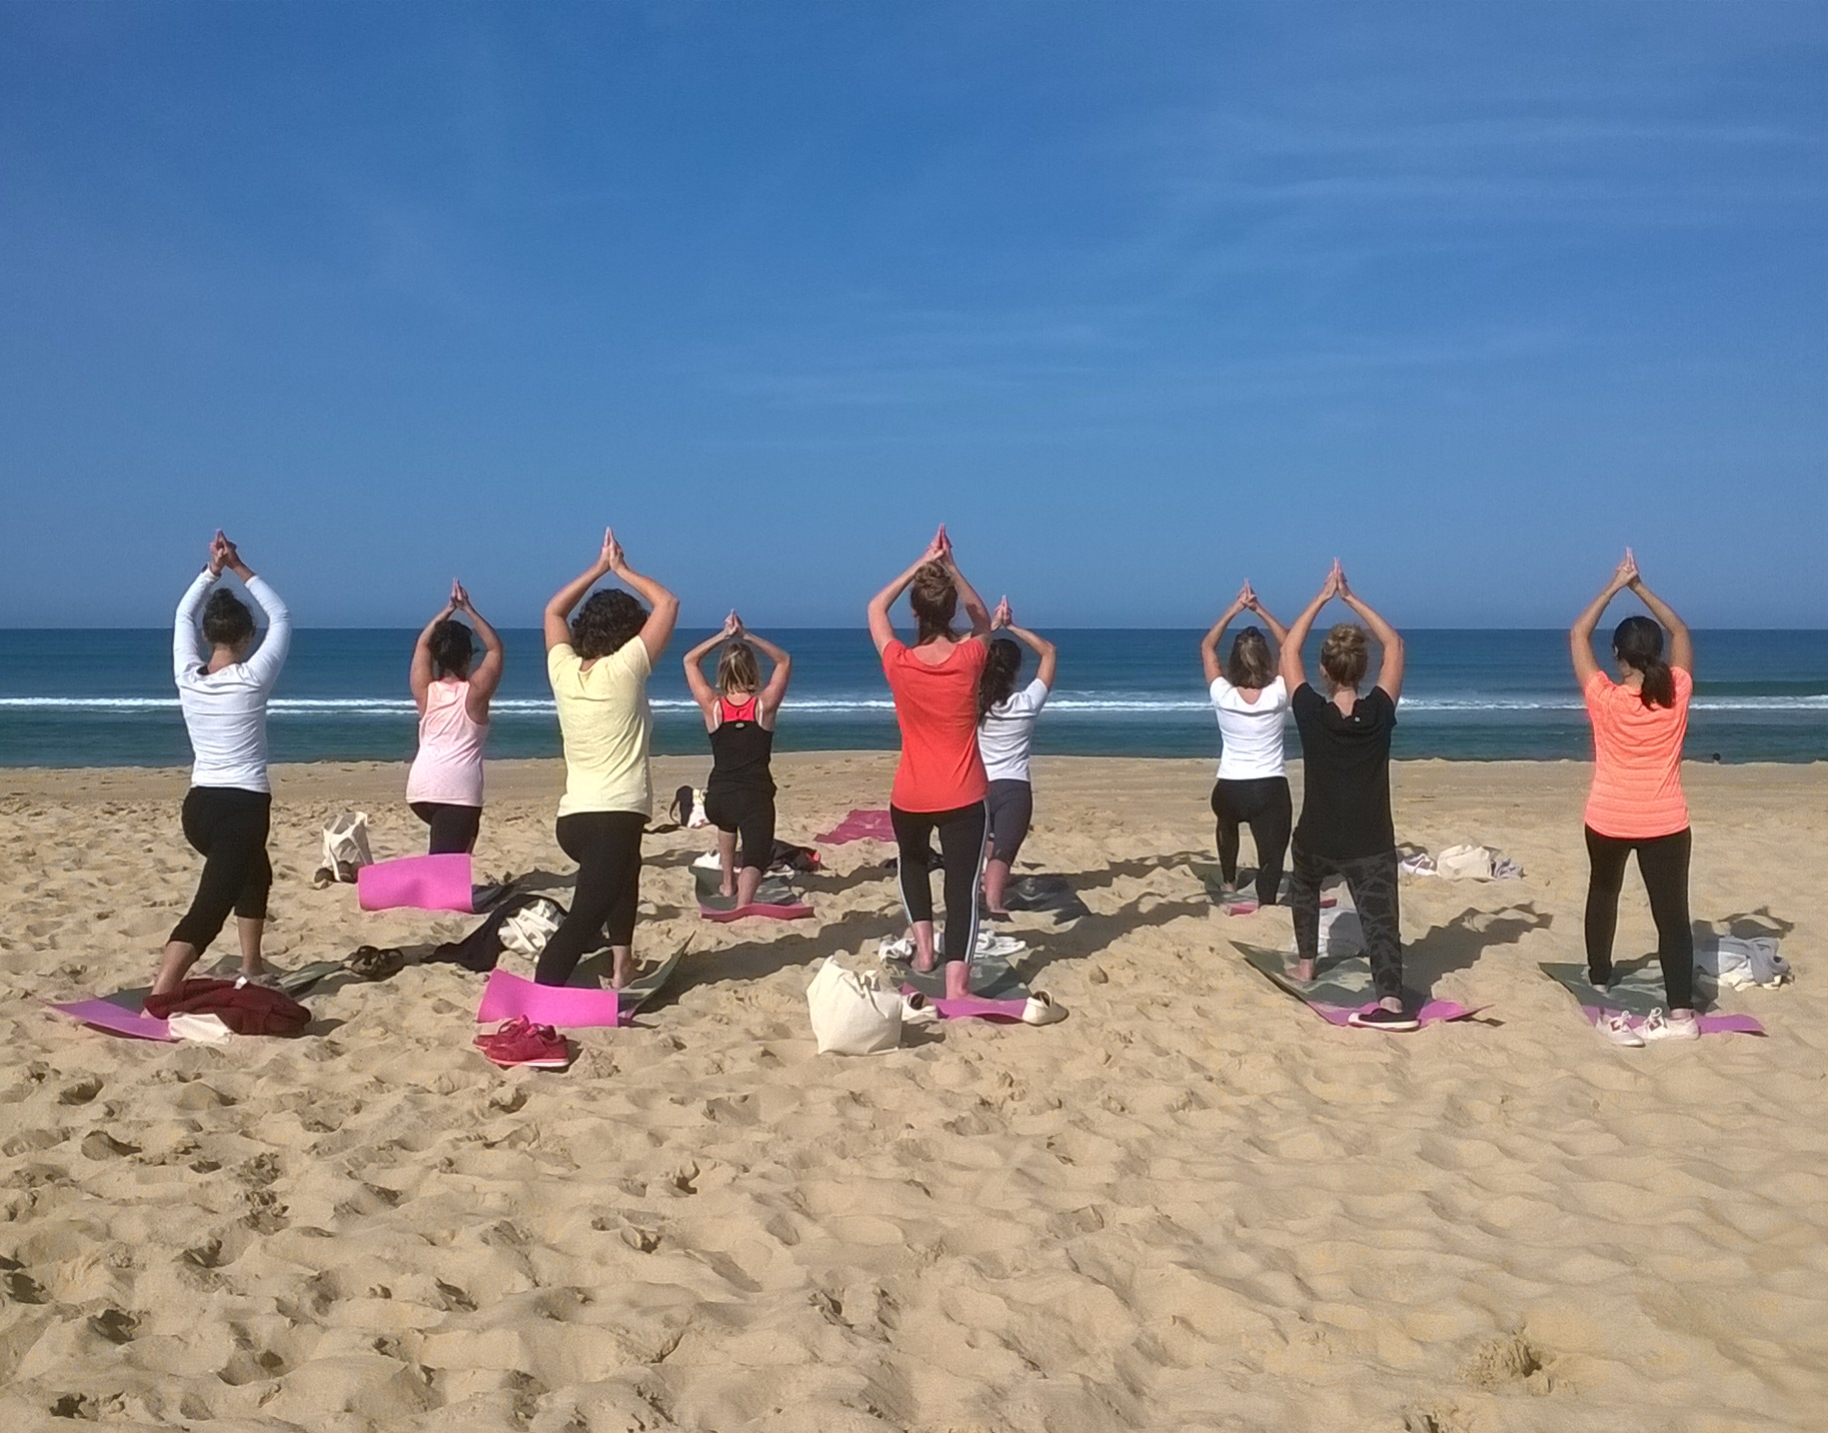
{"x": 1012, "y": 807}
{"x": 454, "y": 828}
{"x": 751, "y": 815}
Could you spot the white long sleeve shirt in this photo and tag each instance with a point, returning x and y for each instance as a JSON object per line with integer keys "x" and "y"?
{"x": 226, "y": 711}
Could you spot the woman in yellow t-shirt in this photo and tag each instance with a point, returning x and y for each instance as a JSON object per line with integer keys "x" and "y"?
{"x": 598, "y": 662}
{"x": 1636, "y": 801}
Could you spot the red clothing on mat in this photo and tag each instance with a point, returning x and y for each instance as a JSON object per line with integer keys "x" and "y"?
{"x": 936, "y": 707}
{"x": 1637, "y": 760}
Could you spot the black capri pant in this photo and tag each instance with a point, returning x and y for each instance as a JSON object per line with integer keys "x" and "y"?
{"x": 1263, "y": 804}
{"x": 961, "y": 849}
{"x": 1011, "y": 805}
{"x": 751, "y": 815}
{"x": 1663, "y": 863}
{"x": 607, "y": 847}
{"x": 454, "y": 828}
{"x": 229, "y": 826}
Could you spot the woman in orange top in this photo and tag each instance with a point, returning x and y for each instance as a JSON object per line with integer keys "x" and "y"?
{"x": 1636, "y": 801}
{"x": 940, "y": 783}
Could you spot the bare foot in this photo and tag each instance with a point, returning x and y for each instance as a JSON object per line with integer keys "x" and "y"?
{"x": 1304, "y": 970}
{"x": 958, "y": 980}
{"x": 621, "y": 969}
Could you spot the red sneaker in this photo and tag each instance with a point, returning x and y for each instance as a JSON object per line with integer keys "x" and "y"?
{"x": 520, "y": 1042}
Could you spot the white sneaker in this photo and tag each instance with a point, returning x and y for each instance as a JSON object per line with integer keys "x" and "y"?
{"x": 1616, "y": 1027}
{"x": 1658, "y": 1026}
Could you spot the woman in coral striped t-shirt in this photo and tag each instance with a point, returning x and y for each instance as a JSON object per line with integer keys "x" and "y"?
{"x": 1636, "y": 801}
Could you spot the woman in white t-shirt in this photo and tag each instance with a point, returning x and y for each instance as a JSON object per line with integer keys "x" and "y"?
{"x": 1252, "y": 788}
{"x": 1006, "y": 725}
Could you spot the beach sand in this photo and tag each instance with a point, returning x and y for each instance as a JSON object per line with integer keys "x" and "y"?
{"x": 1192, "y": 1205}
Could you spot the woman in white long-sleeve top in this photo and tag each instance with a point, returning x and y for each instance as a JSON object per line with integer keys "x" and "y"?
{"x": 223, "y": 692}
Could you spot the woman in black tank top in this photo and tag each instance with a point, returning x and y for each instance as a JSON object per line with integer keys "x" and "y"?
{"x": 739, "y": 714}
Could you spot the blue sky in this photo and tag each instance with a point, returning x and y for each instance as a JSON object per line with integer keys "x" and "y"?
{"x": 1140, "y": 299}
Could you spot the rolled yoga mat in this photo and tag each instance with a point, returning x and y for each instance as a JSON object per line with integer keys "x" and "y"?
{"x": 1342, "y": 986}
{"x": 775, "y": 899}
{"x": 1636, "y": 990}
{"x": 425, "y": 883}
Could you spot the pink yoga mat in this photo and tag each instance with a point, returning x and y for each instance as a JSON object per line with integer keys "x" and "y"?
{"x": 859, "y": 826}
{"x": 1710, "y": 1024}
{"x": 570, "y": 1007}
{"x": 970, "y": 1007}
{"x": 106, "y": 1015}
{"x": 1435, "y": 1012}
{"x": 757, "y": 911}
{"x": 425, "y": 883}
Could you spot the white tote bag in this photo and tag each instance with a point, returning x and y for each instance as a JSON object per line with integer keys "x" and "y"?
{"x": 346, "y": 845}
{"x": 852, "y": 1014}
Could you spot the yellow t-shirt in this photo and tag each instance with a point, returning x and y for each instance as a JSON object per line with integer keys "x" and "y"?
{"x": 607, "y": 727}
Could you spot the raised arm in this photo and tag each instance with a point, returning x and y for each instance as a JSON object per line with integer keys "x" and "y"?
{"x": 558, "y": 610}
{"x": 187, "y": 649}
{"x": 1580, "y": 635}
{"x": 1681, "y": 645}
{"x": 1276, "y": 629}
{"x": 775, "y": 692}
{"x": 419, "y": 675}
{"x": 264, "y": 666}
{"x": 485, "y": 676}
{"x": 1209, "y": 644}
{"x": 1390, "y": 670}
{"x": 702, "y": 691}
{"x": 1289, "y": 664}
{"x": 657, "y": 631}
{"x": 882, "y": 630}
{"x": 1043, "y": 649}
{"x": 967, "y": 594}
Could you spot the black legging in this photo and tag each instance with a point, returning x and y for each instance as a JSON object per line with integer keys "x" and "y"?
{"x": 454, "y": 828}
{"x": 1663, "y": 863}
{"x": 607, "y": 847}
{"x": 229, "y": 826}
{"x": 961, "y": 848}
{"x": 1264, "y": 805}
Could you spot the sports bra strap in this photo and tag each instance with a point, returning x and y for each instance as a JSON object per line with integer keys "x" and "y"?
{"x": 731, "y": 711}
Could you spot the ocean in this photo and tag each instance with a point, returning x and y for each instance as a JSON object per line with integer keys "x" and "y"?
{"x": 105, "y": 697}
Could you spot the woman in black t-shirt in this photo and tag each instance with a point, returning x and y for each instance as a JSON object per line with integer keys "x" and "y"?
{"x": 1345, "y": 827}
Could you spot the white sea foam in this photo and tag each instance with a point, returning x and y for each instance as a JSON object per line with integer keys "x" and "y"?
{"x": 1079, "y": 704}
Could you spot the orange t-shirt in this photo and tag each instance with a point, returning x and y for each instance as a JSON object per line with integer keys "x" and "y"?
{"x": 936, "y": 708}
{"x": 1637, "y": 760}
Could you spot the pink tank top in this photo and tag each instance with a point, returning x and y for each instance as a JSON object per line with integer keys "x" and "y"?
{"x": 448, "y": 768}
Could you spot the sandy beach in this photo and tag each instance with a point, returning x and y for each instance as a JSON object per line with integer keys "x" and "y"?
{"x": 1192, "y": 1205}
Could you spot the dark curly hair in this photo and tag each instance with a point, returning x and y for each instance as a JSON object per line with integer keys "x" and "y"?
{"x": 452, "y": 650}
{"x": 605, "y": 623}
{"x": 998, "y": 683}
{"x": 226, "y": 620}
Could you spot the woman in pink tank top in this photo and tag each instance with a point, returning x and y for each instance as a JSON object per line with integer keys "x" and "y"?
{"x": 444, "y": 787}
